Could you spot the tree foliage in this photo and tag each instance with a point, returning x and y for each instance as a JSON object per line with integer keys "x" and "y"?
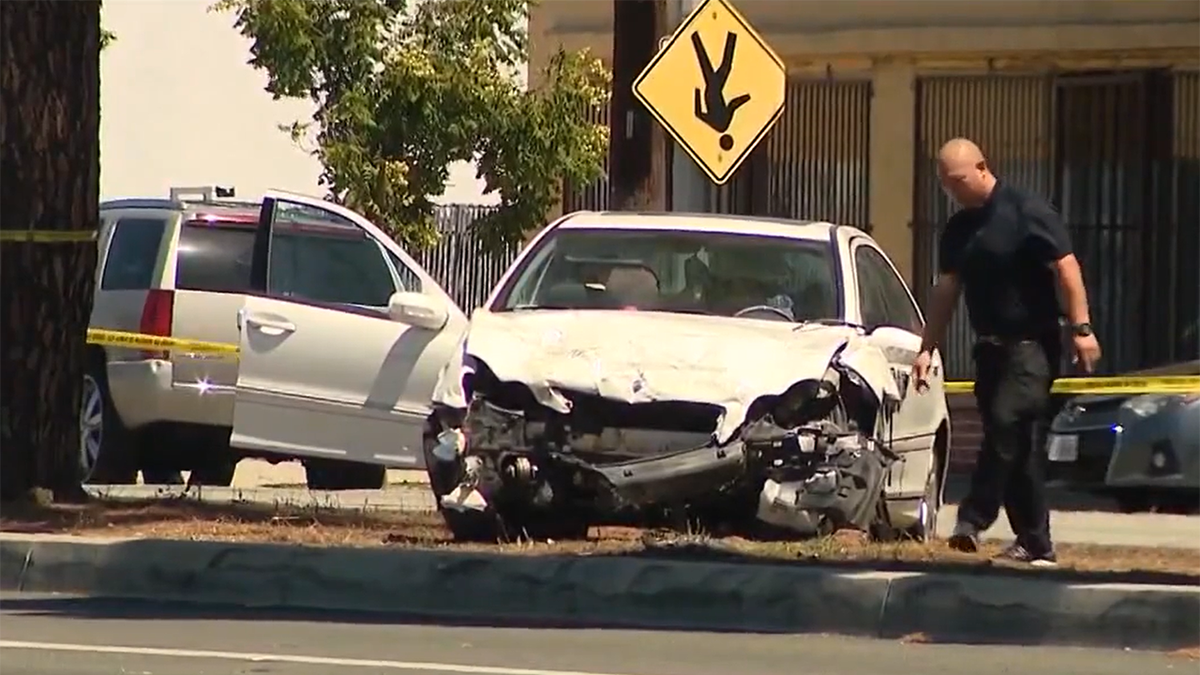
{"x": 402, "y": 88}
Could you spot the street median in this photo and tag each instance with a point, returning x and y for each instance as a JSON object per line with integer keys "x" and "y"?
{"x": 612, "y": 590}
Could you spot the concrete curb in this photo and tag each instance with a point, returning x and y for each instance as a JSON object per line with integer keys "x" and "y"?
{"x": 604, "y": 590}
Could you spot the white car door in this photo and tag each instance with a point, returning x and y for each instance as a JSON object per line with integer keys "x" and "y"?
{"x": 886, "y": 305}
{"x": 326, "y": 371}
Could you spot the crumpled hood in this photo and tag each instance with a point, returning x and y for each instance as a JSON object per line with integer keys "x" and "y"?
{"x": 640, "y": 357}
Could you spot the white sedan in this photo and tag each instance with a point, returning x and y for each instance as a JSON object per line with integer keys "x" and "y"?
{"x": 739, "y": 368}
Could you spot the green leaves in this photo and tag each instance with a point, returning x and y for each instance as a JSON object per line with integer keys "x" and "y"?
{"x": 404, "y": 88}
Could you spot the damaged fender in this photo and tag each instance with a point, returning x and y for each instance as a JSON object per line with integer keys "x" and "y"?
{"x": 448, "y": 391}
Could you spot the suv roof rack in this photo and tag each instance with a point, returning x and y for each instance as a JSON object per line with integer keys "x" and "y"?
{"x": 206, "y": 193}
{"x": 185, "y": 197}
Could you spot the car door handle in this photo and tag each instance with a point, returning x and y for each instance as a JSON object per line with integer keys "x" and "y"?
{"x": 270, "y": 326}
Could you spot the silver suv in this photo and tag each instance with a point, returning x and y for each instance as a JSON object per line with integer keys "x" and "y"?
{"x": 185, "y": 267}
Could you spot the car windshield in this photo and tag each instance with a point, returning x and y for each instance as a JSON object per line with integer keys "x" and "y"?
{"x": 713, "y": 273}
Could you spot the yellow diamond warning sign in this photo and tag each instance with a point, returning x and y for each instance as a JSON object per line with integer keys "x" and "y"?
{"x": 716, "y": 86}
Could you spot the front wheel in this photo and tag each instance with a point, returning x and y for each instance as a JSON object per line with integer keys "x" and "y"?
{"x": 925, "y": 529}
{"x": 489, "y": 525}
{"x": 512, "y": 525}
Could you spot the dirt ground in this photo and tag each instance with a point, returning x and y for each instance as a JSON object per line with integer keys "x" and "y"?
{"x": 182, "y": 518}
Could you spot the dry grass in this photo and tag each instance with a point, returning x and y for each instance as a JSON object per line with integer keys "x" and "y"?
{"x": 1189, "y": 653}
{"x": 183, "y": 518}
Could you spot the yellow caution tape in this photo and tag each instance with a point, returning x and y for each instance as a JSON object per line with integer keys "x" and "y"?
{"x": 48, "y": 236}
{"x": 116, "y": 338}
{"x": 1166, "y": 384}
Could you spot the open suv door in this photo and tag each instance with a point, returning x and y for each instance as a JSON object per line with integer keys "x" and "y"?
{"x": 342, "y": 339}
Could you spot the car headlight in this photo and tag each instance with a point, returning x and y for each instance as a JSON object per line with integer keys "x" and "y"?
{"x": 1145, "y": 406}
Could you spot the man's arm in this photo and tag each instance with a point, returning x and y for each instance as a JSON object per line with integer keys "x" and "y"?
{"x": 946, "y": 289}
{"x": 1052, "y": 246}
{"x": 1074, "y": 294}
{"x": 941, "y": 307}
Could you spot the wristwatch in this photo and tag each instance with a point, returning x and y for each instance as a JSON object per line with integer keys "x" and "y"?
{"x": 1082, "y": 329}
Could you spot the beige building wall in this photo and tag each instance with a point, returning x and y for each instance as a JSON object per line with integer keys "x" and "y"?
{"x": 893, "y": 42}
{"x": 180, "y": 106}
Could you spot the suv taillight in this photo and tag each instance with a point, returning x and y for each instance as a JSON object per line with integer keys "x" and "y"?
{"x": 157, "y": 316}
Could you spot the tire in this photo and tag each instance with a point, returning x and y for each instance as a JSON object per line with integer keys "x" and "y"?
{"x": 332, "y": 474}
{"x": 108, "y": 452}
{"x": 215, "y": 461}
{"x": 490, "y": 526}
{"x": 1133, "y": 500}
{"x": 546, "y": 525}
{"x": 217, "y": 473}
{"x": 478, "y": 527}
{"x": 161, "y": 477}
{"x": 465, "y": 526}
{"x": 925, "y": 529}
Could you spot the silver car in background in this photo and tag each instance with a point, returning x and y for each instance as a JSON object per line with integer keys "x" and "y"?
{"x": 1142, "y": 450}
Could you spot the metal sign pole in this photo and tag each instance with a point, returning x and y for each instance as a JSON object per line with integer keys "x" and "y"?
{"x": 690, "y": 189}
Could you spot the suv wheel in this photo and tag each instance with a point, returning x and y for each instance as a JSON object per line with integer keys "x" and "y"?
{"x": 217, "y": 471}
{"x": 106, "y": 452}
{"x": 332, "y": 474}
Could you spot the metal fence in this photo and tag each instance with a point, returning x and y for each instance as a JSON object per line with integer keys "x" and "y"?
{"x": 814, "y": 165}
{"x": 1117, "y": 152}
{"x": 459, "y": 262}
{"x": 818, "y": 156}
{"x": 1011, "y": 118}
{"x": 593, "y": 197}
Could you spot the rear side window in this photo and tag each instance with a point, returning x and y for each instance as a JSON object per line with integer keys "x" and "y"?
{"x": 133, "y": 254}
{"x": 884, "y": 299}
{"x": 214, "y": 258}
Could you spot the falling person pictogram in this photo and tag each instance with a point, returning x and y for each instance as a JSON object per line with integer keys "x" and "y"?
{"x": 711, "y": 106}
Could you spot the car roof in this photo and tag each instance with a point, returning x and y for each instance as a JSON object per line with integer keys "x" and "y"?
{"x": 810, "y": 230}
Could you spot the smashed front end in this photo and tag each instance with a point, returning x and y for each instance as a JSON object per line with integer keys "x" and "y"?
{"x": 809, "y": 460}
{"x": 522, "y": 461}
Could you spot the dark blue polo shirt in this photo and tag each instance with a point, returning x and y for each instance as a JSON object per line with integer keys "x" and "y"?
{"x": 1003, "y": 254}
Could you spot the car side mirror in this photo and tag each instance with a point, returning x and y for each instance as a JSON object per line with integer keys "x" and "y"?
{"x": 418, "y": 309}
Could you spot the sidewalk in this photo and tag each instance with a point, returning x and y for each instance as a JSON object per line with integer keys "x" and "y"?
{"x": 258, "y": 481}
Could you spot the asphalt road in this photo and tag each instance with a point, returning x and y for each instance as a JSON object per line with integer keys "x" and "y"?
{"x": 47, "y": 635}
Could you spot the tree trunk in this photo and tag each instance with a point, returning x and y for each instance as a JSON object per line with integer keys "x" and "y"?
{"x": 49, "y": 180}
{"x": 637, "y": 152}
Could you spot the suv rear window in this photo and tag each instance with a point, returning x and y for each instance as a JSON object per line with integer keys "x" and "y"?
{"x": 214, "y": 258}
{"x": 133, "y": 254}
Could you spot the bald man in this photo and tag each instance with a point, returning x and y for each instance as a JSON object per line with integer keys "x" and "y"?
{"x": 1008, "y": 252}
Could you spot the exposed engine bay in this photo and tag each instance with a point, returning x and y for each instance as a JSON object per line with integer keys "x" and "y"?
{"x": 810, "y": 460}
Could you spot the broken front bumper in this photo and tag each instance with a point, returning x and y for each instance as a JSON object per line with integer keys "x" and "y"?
{"x": 810, "y": 479}
{"x": 680, "y": 477}
{"x": 499, "y": 453}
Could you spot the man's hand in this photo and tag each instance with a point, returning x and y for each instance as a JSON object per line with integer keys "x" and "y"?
{"x": 920, "y": 371}
{"x": 1087, "y": 352}
{"x": 941, "y": 306}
